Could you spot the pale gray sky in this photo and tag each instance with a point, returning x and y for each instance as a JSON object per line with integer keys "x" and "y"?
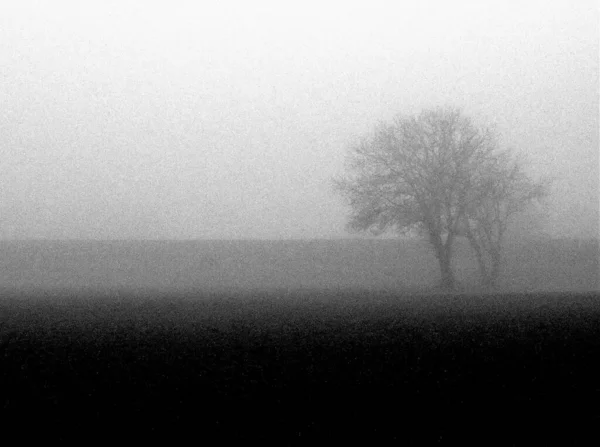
{"x": 171, "y": 120}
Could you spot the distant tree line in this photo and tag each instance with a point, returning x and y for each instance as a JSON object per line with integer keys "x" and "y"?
{"x": 439, "y": 174}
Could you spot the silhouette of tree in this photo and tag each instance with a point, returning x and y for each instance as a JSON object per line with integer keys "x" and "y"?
{"x": 439, "y": 174}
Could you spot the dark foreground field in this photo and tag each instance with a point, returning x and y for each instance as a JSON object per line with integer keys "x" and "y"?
{"x": 300, "y": 368}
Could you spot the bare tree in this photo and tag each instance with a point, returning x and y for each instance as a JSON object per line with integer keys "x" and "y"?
{"x": 500, "y": 190}
{"x": 417, "y": 173}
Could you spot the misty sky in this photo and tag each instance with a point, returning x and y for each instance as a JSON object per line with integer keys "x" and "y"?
{"x": 160, "y": 120}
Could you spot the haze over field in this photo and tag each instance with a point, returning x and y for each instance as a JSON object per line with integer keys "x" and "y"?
{"x": 399, "y": 267}
{"x": 179, "y": 120}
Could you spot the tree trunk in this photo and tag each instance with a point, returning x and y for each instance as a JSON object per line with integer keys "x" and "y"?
{"x": 485, "y": 273}
{"x": 448, "y": 282}
{"x": 478, "y": 255}
{"x": 443, "y": 253}
{"x": 489, "y": 273}
{"x": 495, "y": 269}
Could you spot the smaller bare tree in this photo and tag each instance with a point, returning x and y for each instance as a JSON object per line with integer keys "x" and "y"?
{"x": 500, "y": 190}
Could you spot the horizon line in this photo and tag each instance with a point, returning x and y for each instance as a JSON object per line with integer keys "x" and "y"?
{"x": 299, "y": 239}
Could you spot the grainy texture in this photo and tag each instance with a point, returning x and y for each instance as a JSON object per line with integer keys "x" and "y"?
{"x": 245, "y": 265}
{"x": 303, "y": 367}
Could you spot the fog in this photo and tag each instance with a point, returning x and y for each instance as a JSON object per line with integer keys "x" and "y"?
{"x": 142, "y": 120}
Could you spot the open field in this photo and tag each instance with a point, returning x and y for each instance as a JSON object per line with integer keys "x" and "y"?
{"x": 294, "y": 343}
{"x": 393, "y": 265}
